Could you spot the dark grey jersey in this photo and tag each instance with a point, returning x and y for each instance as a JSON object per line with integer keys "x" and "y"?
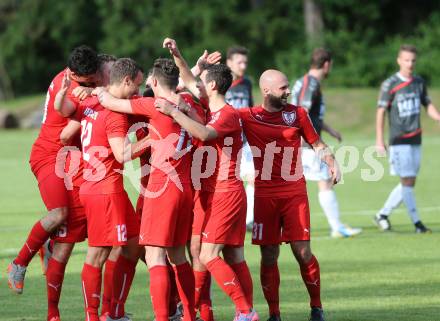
{"x": 402, "y": 98}
{"x": 239, "y": 95}
{"x": 306, "y": 92}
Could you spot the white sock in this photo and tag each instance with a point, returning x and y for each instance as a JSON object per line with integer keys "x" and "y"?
{"x": 410, "y": 203}
{"x": 330, "y": 206}
{"x": 250, "y": 191}
{"x": 393, "y": 201}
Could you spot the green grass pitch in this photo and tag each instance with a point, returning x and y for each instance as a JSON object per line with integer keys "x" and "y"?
{"x": 374, "y": 277}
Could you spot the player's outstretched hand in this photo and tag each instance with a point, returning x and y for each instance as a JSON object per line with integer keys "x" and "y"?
{"x": 164, "y": 106}
{"x": 171, "y": 45}
{"x": 381, "y": 149}
{"x": 212, "y": 58}
{"x": 81, "y": 92}
{"x": 335, "y": 172}
{"x": 338, "y": 136}
{"x": 66, "y": 82}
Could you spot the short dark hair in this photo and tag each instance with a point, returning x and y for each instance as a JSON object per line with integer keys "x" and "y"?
{"x": 319, "y": 57}
{"x": 103, "y": 58}
{"x": 166, "y": 72}
{"x": 409, "y": 48}
{"x": 222, "y": 76}
{"x": 83, "y": 61}
{"x": 122, "y": 68}
{"x": 236, "y": 50}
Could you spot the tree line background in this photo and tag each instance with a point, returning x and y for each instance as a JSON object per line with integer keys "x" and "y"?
{"x": 36, "y": 36}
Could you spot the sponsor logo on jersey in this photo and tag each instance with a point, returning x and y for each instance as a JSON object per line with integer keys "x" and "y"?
{"x": 289, "y": 117}
{"x": 89, "y": 112}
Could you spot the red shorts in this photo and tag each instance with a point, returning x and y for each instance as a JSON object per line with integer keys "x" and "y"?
{"x": 75, "y": 228}
{"x": 279, "y": 220}
{"x": 53, "y": 190}
{"x": 224, "y": 217}
{"x": 111, "y": 219}
{"x": 167, "y": 218}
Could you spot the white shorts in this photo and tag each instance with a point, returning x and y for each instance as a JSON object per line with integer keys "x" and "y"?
{"x": 314, "y": 168}
{"x": 405, "y": 160}
{"x": 247, "y": 170}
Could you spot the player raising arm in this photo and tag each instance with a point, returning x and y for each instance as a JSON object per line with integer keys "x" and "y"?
{"x": 82, "y": 66}
{"x": 221, "y": 200}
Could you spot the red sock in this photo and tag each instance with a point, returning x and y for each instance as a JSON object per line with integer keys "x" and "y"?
{"x": 91, "y": 286}
{"x": 203, "y": 295}
{"x": 270, "y": 282}
{"x": 108, "y": 286}
{"x": 245, "y": 278}
{"x": 200, "y": 278}
{"x": 206, "y": 313}
{"x": 36, "y": 238}
{"x": 160, "y": 291}
{"x": 185, "y": 287}
{"x": 174, "y": 294}
{"x": 228, "y": 282}
{"x": 312, "y": 280}
{"x": 122, "y": 278}
{"x": 54, "y": 282}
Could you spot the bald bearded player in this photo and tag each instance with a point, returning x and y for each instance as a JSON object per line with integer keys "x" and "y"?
{"x": 281, "y": 213}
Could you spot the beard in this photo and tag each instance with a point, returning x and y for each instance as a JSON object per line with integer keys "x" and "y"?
{"x": 277, "y": 102}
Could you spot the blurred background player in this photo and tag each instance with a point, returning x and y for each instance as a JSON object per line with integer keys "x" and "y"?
{"x": 401, "y": 95}
{"x": 239, "y": 95}
{"x": 306, "y": 92}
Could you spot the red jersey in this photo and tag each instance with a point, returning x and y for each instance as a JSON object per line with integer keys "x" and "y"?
{"x": 48, "y": 143}
{"x": 201, "y": 112}
{"x": 277, "y": 136}
{"x": 102, "y": 172}
{"x": 170, "y": 157}
{"x": 228, "y": 144}
{"x": 141, "y": 133}
{"x": 74, "y": 159}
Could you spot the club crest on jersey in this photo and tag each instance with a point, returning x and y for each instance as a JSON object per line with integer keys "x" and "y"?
{"x": 289, "y": 117}
{"x": 214, "y": 118}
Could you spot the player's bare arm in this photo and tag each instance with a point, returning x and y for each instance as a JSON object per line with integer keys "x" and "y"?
{"x": 134, "y": 150}
{"x": 72, "y": 128}
{"x": 380, "y": 123}
{"x": 331, "y": 131}
{"x": 212, "y": 58}
{"x": 110, "y": 102}
{"x": 125, "y": 152}
{"x": 327, "y": 156}
{"x": 63, "y": 105}
{"x": 188, "y": 78}
{"x": 433, "y": 112}
{"x": 196, "y": 129}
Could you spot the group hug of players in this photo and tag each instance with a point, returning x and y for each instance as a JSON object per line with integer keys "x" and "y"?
{"x": 183, "y": 122}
